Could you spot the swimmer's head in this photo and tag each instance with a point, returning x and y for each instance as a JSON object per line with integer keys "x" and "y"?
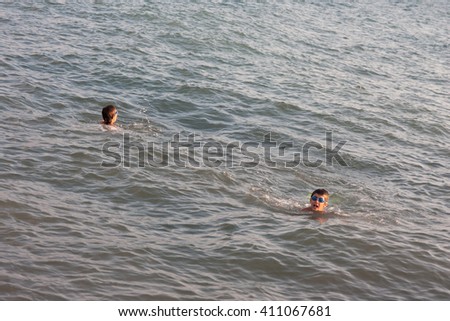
{"x": 109, "y": 114}
{"x": 319, "y": 200}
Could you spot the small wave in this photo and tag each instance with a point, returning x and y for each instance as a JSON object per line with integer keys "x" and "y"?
{"x": 289, "y": 206}
{"x": 110, "y": 128}
{"x": 144, "y": 127}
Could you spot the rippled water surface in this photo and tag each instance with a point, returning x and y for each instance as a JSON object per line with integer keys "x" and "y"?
{"x": 354, "y": 98}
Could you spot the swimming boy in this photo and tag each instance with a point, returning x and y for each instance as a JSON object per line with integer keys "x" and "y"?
{"x": 109, "y": 114}
{"x": 318, "y": 201}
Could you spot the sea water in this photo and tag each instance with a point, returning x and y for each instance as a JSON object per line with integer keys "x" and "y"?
{"x": 230, "y": 114}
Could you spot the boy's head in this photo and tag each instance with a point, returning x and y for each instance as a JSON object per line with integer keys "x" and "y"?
{"x": 109, "y": 114}
{"x": 319, "y": 200}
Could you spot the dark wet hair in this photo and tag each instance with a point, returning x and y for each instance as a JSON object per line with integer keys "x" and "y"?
{"x": 108, "y": 114}
{"x": 320, "y": 191}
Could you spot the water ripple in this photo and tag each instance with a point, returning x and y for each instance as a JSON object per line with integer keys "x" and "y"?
{"x": 375, "y": 76}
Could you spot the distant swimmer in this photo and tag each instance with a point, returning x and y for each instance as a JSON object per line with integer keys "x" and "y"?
{"x": 318, "y": 201}
{"x": 110, "y": 115}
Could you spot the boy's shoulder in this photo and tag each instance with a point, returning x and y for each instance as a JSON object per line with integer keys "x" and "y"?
{"x": 312, "y": 211}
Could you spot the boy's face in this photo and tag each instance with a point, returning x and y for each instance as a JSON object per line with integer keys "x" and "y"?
{"x": 318, "y": 202}
{"x": 114, "y": 119}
